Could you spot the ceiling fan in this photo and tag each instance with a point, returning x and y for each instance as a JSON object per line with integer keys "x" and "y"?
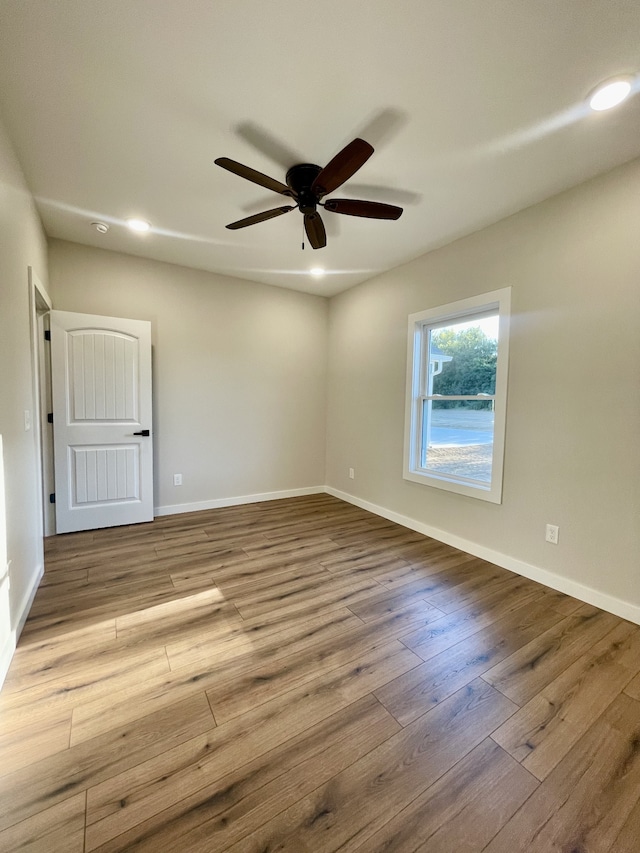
{"x": 307, "y": 184}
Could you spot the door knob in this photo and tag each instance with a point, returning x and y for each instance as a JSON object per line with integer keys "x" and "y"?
{"x": 143, "y": 432}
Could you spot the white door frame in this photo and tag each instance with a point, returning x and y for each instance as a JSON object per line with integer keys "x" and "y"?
{"x": 39, "y": 306}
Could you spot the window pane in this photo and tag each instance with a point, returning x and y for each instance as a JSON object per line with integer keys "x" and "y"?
{"x": 463, "y": 357}
{"x": 458, "y": 441}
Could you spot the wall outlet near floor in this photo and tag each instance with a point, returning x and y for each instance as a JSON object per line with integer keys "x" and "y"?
{"x": 177, "y": 479}
{"x": 551, "y": 534}
{"x": 352, "y": 474}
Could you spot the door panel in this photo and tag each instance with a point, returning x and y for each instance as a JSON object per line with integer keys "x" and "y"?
{"x": 101, "y": 377}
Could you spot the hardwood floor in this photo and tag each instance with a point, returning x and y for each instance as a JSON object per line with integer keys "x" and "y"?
{"x": 304, "y": 676}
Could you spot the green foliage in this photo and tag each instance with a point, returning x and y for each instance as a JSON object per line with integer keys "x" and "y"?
{"x": 472, "y": 369}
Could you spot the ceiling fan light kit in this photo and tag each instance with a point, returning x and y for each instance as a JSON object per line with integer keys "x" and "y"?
{"x": 307, "y": 184}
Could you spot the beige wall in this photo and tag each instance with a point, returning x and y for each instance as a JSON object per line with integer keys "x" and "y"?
{"x": 573, "y": 423}
{"x": 239, "y": 371}
{"x": 22, "y": 244}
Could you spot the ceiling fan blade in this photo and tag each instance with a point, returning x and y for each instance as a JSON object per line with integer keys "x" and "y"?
{"x": 260, "y": 217}
{"x": 253, "y": 175}
{"x": 314, "y": 226}
{"x": 344, "y": 164}
{"x": 368, "y": 209}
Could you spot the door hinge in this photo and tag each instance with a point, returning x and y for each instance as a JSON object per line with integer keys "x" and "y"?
{"x": 47, "y": 334}
{"x": 52, "y": 498}
{"x": 50, "y": 418}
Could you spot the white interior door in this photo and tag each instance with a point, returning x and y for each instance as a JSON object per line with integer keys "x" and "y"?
{"x": 103, "y": 452}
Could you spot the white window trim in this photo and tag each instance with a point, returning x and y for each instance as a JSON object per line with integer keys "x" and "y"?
{"x": 496, "y": 299}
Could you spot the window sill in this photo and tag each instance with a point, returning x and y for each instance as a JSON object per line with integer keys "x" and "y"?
{"x": 448, "y": 484}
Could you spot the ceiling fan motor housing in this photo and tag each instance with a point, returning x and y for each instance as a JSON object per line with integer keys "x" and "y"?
{"x": 300, "y": 178}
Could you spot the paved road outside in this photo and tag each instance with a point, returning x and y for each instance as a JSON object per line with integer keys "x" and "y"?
{"x": 459, "y": 428}
{"x": 446, "y": 437}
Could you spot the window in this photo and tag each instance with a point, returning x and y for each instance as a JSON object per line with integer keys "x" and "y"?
{"x": 457, "y": 394}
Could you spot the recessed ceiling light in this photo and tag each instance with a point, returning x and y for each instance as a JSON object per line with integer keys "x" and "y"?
{"x": 101, "y": 227}
{"x": 610, "y": 94}
{"x": 139, "y": 225}
{"x": 317, "y": 272}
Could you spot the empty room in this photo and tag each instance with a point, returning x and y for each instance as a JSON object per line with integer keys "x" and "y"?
{"x": 319, "y": 419}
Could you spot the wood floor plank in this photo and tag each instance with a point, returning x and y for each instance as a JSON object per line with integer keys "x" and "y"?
{"x": 422, "y": 589}
{"x": 58, "y": 829}
{"x": 531, "y": 668}
{"x": 542, "y": 732}
{"x": 28, "y": 744}
{"x": 261, "y": 581}
{"x": 52, "y": 624}
{"x": 136, "y": 795}
{"x": 190, "y": 546}
{"x": 414, "y": 616}
{"x": 221, "y": 813}
{"x": 237, "y": 692}
{"x": 356, "y": 803}
{"x": 476, "y": 588}
{"x": 442, "y": 562}
{"x": 347, "y": 559}
{"x": 584, "y": 803}
{"x": 70, "y": 578}
{"x": 237, "y": 568}
{"x": 45, "y": 783}
{"x": 78, "y": 685}
{"x": 287, "y": 587}
{"x": 216, "y": 660}
{"x": 309, "y": 600}
{"x": 633, "y": 688}
{"x": 430, "y": 556}
{"x": 36, "y": 656}
{"x": 564, "y": 604}
{"x": 460, "y": 812}
{"x": 412, "y": 694}
{"x": 98, "y": 554}
{"x": 627, "y": 840}
{"x": 453, "y": 627}
{"x": 255, "y": 641}
{"x": 303, "y": 547}
{"x": 202, "y": 609}
{"x": 378, "y": 605}
{"x": 387, "y": 535}
{"x": 117, "y": 572}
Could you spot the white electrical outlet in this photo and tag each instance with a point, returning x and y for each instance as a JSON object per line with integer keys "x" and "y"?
{"x": 352, "y": 474}
{"x": 552, "y": 533}
{"x": 177, "y": 479}
{"x": 27, "y": 420}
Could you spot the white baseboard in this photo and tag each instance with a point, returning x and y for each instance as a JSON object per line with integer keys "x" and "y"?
{"x": 6, "y": 654}
{"x": 607, "y": 602}
{"x": 27, "y": 600}
{"x": 176, "y": 509}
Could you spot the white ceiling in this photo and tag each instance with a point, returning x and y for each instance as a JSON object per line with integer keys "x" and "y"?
{"x": 475, "y": 109}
